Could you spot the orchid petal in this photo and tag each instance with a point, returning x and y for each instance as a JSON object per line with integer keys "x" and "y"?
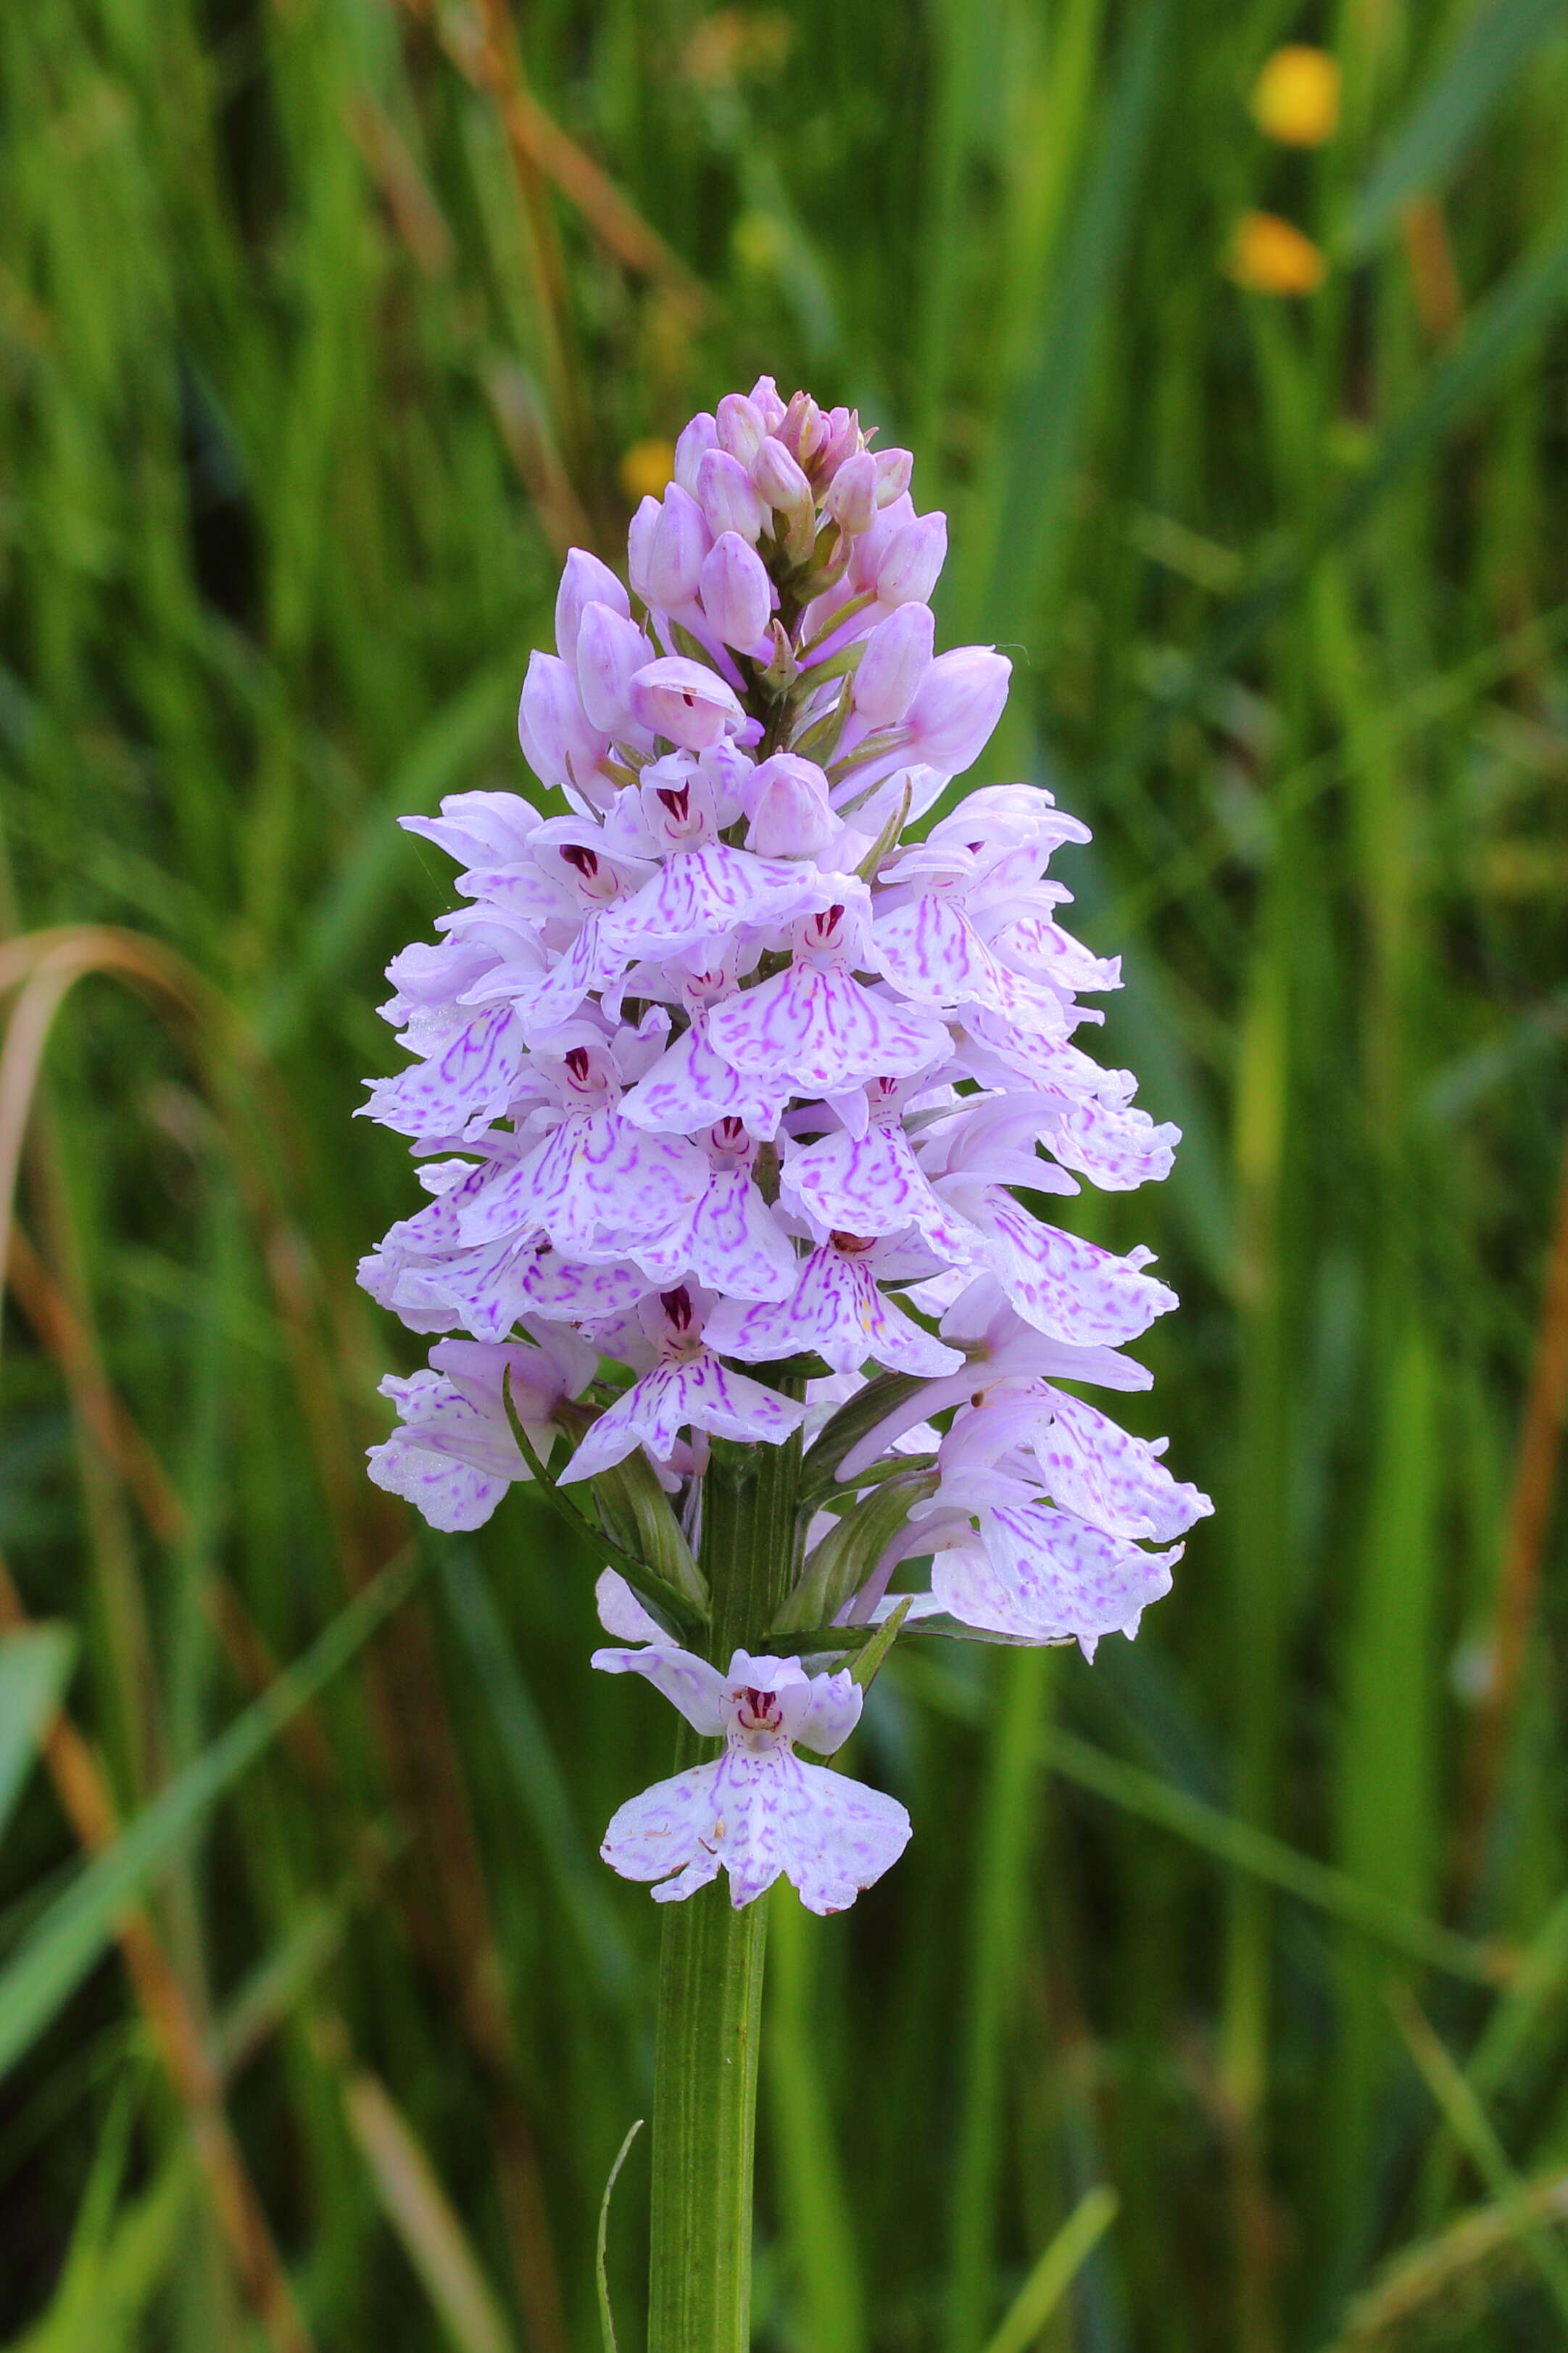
{"x": 816, "y": 1031}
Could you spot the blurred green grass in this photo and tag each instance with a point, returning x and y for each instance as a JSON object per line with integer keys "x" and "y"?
{"x": 323, "y": 326}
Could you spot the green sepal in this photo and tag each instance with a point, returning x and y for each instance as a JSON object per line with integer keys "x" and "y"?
{"x": 660, "y": 1540}
{"x": 853, "y": 1422}
{"x": 645, "y": 1581}
{"x": 865, "y": 1666}
{"x": 850, "y": 1550}
{"x": 820, "y": 740}
{"x": 870, "y": 863}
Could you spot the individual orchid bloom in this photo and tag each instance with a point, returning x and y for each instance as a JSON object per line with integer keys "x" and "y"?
{"x": 816, "y": 1027}
{"x": 865, "y": 1179}
{"x": 452, "y": 1453}
{"x": 732, "y": 1242}
{"x": 593, "y": 1181}
{"x": 758, "y": 1810}
{"x": 684, "y": 703}
{"x": 1006, "y": 1561}
{"x": 836, "y": 1311}
{"x": 689, "y": 1387}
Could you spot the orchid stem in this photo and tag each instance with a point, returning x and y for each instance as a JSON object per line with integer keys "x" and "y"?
{"x": 711, "y": 1963}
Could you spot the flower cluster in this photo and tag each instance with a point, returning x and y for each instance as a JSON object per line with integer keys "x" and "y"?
{"x": 721, "y": 1070}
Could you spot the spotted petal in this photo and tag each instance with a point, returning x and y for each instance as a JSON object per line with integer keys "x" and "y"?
{"x": 732, "y": 1243}
{"x": 816, "y": 1031}
{"x": 469, "y": 1083}
{"x": 709, "y": 893}
{"x": 836, "y": 1837}
{"x": 1070, "y": 1289}
{"x": 1044, "y": 1576}
{"x": 596, "y": 1180}
{"x": 1117, "y": 1148}
{"x": 837, "y": 1312}
{"x": 699, "y": 1393}
{"x": 689, "y": 1683}
{"x": 931, "y": 950}
{"x": 1110, "y": 1478}
{"x": 690, "y": 1087}
{"x": 872, "y": 1184}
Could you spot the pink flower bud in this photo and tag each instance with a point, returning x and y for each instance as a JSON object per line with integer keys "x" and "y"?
{"x": 551, "y": 727}
{"x": 791, "y": 814}
{"x": 585, "y": 581}
{"x": 610, "y": 648}
{"x": 840, "y": 441}
{"x": 769, "y": 406}
{"x": 851, "y": 497}
{"x": 894, "y": 470}
{"x": 897, "y": 657}
{"x": 675, "y": 557}
{"x": 681, "y": 700}
{"x": 804, "y": 429}
{"x": 740, "y": 425}
{"x": 779, "y": 481}
{"x": 728, "y": 498}
{"x": 737, "y": 595}
{"x": 956, "y": 706}
{"x": 866, "y": 554}
{"x": 909, "y": 571}
{"x": 700, "y": 436}
{"x": 639, "y": 546}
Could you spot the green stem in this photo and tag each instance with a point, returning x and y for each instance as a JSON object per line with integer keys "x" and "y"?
{"x": 711, "y": 1967}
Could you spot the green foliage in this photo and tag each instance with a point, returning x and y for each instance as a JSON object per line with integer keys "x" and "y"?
{"x": 315, "y": 354}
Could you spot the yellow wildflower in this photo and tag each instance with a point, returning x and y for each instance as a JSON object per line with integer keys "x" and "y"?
{"x": 647, "y": 468}
{"x": 1295, "y": 98}
{"x": 1270, "y": 255}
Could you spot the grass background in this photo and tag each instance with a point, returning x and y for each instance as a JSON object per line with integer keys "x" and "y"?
{"x": 324, "y": 326}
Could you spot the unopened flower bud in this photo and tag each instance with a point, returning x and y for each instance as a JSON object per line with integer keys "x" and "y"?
{"x": 896, "y": 659}
{"x": 700, "y": 436}
{"x": 639, "y": 546}
{"x": 585, "y": 581}
{"x": 769, "y": 406}
{"x": 740, "y": 427}
{"x": 957, "y": 705}
{"x": 866, "y": 553}
{"x": 610, "y": 648}
{"x": 840, "y": 441}
{"x": 686, "y": 703}
{"x": 909, "y": 570}
{"x": 791, "y": 814}
{"x": 675, "y": 556}
{"x": 780, "y": 481}
{"x": 737, "y": 595}
{"x": 728, "y": 497}
{"x": 804, "y": 429}
{"x": 851, "y": 497}
{"x": 894, "y": 470}
{"x": 550, "y": 724}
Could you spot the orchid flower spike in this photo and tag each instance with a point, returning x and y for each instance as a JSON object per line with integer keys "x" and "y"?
{"x": 734, "y": 1086}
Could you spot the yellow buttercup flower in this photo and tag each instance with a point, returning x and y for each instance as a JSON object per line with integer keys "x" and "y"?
{"x": 1295, "y": 98}
{"x": 1270, "y": 255}
{"x": 646, "y": 470}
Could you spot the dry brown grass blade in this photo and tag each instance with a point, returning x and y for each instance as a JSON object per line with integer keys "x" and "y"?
{"x": 1529, "y": 1525}
{"x": 541, "y": 148}
{"x": 177, "y": 2036}
{"x": 444, "y": 1906}
{"x": 1433, "y": 274}
{"x": 423, "y": 2215}
{"x": 1447, "y": 2276}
